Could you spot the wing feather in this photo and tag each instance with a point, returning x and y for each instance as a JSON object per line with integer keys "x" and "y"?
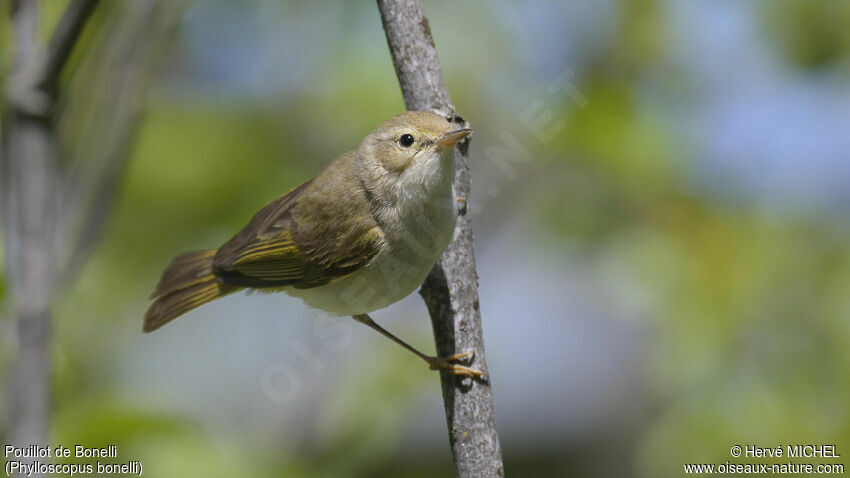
{"x": 283, "y": 246}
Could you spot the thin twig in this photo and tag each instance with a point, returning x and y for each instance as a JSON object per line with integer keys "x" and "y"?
{"x": 451, "y": 289}
{"x": 64, "y": 38}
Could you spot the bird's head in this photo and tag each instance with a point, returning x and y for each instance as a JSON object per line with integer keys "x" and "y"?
{"x": 413, "y": 146}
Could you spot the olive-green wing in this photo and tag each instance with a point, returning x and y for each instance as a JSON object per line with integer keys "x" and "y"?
{"x": 281, "y": 247}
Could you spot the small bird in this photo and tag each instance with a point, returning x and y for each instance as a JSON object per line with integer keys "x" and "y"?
{"x": 361, "y": 235}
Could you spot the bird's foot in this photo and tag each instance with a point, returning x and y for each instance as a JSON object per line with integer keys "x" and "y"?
{"x": 446, "y": 364}
{"x": 461, "y": 206}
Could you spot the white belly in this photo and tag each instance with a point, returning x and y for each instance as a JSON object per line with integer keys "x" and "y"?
{"x": 396, "y": 271}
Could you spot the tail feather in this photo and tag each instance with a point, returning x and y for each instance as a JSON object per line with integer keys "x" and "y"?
{"x": 185, "y": 270}
{"x": 188, "y": 282}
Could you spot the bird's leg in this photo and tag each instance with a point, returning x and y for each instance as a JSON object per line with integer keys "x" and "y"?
{"x": 436, "y": 363}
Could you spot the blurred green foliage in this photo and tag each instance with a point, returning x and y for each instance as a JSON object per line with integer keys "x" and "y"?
{"x": 811, "y": 34}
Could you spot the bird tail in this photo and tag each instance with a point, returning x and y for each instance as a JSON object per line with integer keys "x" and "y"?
{"x": 188, "y": 282}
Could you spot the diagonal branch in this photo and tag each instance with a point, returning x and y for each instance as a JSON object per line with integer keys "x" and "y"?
{"x": 451, "y": 289}
{"x": 37, "y": 147}
{"x": 107, "y": 95}
{"x": 64, "y": 38}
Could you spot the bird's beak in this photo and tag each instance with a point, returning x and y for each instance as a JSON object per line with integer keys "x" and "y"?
{"x": 452, "y": 138}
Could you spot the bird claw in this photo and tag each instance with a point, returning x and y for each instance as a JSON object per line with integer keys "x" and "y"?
{"x": 446, "y": 364}
{"x": 461, "y": 206}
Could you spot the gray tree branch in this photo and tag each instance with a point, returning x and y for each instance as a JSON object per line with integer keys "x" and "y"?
{"x": 40, "y": 199}
{"x": 451, "y": 289}
{"x": 29, "y": 177}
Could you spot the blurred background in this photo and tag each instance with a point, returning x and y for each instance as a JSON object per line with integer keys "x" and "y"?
{"x": 664, "y": 263}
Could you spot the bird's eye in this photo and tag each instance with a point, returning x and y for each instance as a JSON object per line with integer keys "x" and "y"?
{"x": 406, "y": 140}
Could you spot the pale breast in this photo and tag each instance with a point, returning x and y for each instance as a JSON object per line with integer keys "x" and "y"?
{"x": 396, "y": 271}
